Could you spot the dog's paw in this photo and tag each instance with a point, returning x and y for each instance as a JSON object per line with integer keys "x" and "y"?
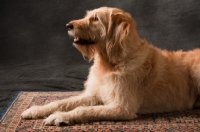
{"x": 32, "y": 112}
{"x": 58, "y": 118}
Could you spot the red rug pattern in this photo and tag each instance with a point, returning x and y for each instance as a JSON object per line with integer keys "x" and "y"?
{"x": 12, "y": 122}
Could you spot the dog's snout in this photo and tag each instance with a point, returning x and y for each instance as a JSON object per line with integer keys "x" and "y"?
{"x": 69, "y": 26}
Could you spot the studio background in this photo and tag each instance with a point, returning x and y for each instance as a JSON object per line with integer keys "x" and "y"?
{"x": 36, "y": 53}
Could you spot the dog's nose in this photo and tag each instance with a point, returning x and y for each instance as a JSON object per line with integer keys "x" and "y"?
{"x": 69, "y": 26}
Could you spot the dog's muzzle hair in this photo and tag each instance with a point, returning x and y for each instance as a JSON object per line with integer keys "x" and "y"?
{"x": 78, "y": 40}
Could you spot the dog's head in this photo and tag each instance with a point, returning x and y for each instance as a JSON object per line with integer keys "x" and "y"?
{"x": 105, "y": 31}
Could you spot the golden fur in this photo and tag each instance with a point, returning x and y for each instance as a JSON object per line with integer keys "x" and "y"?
{"x": 128, "y": 76}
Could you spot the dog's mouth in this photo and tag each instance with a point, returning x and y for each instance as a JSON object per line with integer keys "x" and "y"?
{"x": 81, "y": 41}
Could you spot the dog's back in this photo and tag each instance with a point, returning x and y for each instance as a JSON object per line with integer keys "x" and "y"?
{"x": 173, "y": 81}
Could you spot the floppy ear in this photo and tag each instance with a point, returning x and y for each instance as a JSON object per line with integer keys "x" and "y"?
{"x": 118, "y": 31}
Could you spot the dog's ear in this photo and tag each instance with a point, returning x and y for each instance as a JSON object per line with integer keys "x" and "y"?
{"x": 118, "y": 30}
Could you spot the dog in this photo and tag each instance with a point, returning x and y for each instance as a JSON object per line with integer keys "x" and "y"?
{"x": 128, "y": 77}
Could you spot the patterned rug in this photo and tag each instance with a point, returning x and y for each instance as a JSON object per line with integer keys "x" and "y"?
{"x": 12, "y": 122}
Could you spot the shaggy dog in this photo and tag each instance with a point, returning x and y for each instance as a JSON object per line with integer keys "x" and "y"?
{"x": 128, "y": 76}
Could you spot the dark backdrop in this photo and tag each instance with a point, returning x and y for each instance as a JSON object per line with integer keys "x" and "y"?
{"x": 36, "y": 53}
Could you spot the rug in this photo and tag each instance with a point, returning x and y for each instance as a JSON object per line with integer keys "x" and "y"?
{"x": 12, "y": 122}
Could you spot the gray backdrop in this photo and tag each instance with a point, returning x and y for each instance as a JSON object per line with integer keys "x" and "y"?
{"x": 36, "y": 54}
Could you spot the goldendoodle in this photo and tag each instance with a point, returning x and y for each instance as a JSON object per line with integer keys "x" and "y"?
{"x": 129, "y": 76}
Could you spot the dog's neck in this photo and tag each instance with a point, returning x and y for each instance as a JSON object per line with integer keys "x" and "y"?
{"x": 135, "y": 57}
{"x": 102, "y": 65}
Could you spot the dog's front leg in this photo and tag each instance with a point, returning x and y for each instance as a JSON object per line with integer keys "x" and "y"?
{"x": 61, "y": 105}
{"x": 90, "y": 113}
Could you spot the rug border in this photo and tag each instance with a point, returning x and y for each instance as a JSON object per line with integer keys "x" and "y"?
{"x": 9, "y": 104}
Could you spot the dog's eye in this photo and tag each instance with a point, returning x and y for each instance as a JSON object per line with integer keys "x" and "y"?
{"x": 95, "y": 18}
